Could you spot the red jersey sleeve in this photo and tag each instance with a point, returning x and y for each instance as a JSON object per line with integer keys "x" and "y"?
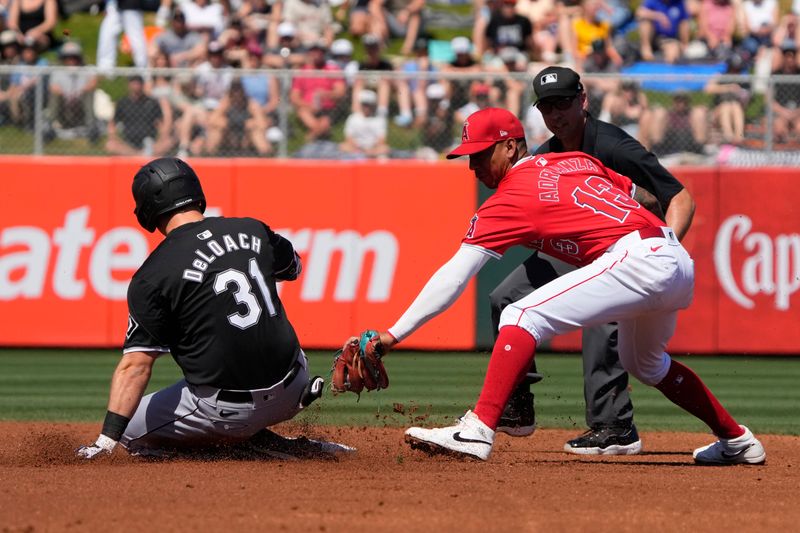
{"x": 499, "y": 224}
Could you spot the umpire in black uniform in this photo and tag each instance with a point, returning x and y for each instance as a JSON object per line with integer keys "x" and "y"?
{"x": 609, "y": 413}
{"x": 206, "y": 295}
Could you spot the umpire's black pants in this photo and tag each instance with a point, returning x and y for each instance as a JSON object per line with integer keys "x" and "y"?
{"x": 605, "y": 382}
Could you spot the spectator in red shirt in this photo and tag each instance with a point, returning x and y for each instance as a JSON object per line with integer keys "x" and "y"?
{"x": 716, "y": 24}
{"x": 316, "y": 99}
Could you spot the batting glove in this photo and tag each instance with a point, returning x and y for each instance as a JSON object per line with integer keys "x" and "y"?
{"x": 103, "y": 446}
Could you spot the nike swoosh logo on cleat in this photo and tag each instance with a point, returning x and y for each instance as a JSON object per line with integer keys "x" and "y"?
{"x": 457, "y": 436}
{"x": 727, "y": 455}
{"x": 655, "y": 248}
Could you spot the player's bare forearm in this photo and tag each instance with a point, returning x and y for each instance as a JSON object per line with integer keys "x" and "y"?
{"x": 648, "y": 201}
{"x": 680, "y": 213}
{"x": 129, "y": 382}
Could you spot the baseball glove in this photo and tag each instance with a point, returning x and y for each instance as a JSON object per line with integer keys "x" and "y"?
{"x": 358, "y": 366}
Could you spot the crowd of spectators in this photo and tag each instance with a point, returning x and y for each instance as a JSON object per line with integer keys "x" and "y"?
{"x": 227, "y": 98}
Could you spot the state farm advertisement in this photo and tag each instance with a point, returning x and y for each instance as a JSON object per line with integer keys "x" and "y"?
{"x": 370, "y": 235}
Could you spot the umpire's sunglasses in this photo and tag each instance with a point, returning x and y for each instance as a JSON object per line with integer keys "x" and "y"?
{"x": 562, "y": 104}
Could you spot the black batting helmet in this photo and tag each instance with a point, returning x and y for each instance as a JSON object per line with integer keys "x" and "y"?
{"x": 164, "y": 185}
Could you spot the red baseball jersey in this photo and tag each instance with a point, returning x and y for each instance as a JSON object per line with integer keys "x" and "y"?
{"x": 567, "y": 205}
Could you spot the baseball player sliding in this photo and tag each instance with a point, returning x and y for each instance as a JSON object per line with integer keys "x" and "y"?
{"x": 207, "y": 295}
{"x": 632, "y": 271}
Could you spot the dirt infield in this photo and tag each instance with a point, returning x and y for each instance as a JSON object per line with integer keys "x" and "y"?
{"x": 528, "y": 485}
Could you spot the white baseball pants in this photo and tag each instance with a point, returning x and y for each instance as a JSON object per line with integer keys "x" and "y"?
{"x": 190, "y": 416}
{"x": 113, "y": 24}
{"x": 640, "y": 282}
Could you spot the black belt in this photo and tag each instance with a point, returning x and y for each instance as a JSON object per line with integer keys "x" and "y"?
{"x": 244, "y": 396}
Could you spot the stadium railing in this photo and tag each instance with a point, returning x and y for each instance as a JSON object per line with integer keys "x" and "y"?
{"x": 677, "y": 116}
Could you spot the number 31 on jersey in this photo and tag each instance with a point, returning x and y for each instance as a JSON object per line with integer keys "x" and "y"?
{"x": 237, "y": 282}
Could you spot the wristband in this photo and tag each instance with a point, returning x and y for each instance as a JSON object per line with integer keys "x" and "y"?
{"x": 114, "y": 426}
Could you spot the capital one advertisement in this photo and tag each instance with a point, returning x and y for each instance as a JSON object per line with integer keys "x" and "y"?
{"x": 370, "y": 235}
{"x": 756, "y": 261}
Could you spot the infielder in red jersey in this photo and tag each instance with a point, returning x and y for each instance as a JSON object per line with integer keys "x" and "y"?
{"x": 567, "y": 205}
{"x": 632, "y": 270}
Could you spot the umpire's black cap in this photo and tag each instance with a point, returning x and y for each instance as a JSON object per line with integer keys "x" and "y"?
{"x": 556, "y": 81}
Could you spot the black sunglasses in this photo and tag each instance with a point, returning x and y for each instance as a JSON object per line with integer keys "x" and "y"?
{"x": 562, "y": 104}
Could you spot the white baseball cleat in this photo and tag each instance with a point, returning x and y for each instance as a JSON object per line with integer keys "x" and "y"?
{"x": 745, "y": 449}
{"x": 469, "y": 437}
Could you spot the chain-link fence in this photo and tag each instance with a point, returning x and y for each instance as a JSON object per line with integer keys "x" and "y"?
{"x": 354, "y": 115}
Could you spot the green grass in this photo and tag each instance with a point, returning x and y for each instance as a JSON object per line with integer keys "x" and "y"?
{"x": 73, "y": 386}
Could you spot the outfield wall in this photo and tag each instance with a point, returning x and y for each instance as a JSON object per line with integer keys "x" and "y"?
{"x": 370, "y": 234}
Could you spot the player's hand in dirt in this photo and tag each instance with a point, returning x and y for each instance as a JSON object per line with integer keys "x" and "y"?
{"x": 103, "y": 446}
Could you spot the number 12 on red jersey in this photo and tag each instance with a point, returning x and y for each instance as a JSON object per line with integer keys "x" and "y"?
{"x": 603, "y": 198}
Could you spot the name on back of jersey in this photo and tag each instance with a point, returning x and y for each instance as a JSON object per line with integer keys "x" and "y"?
{"x": 548, "y": 177}
{"x": 212, "y": 248}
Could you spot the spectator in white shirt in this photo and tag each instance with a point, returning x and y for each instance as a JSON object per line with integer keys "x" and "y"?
{"x": 758, "y": 20}
{"x": 205, "y": 16}
{"x": 214, "y": 76}
{"x": 364, "y": 131}
{"x": 313, "y": 20}
{"x": 72, "y": 93}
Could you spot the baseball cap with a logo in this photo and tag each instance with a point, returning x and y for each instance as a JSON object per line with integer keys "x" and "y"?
{"x": 556, "y": 81}
{"x": 486, "y": 127}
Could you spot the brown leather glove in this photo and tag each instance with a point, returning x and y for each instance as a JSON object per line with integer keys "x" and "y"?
{"x": 358, "y": 365}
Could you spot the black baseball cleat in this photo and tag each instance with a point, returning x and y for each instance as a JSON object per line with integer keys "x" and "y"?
{"x": 518, "y": 418}
{"x": 531, "y": 378}
{"x": 606, "y": 441}
{"x": 271, "y": 445}
{"x": 312, "y": 391}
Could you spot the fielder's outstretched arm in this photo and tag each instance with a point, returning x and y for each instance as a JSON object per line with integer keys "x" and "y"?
{"x": 441, "y": 291}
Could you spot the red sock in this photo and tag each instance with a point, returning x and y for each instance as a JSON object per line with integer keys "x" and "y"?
{"x": 685, "y": 389}
{"x": 511, "y": 358}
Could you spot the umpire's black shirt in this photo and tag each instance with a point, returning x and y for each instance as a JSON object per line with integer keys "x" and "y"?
{"x": 622, "y": 153}
{"x": 207, "y": 295}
